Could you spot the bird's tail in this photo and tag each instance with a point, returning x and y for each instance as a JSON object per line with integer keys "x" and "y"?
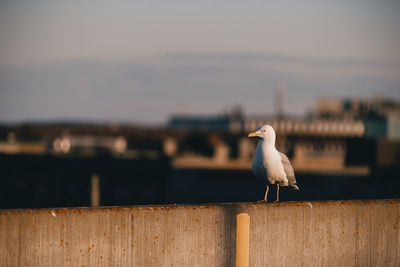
{"x": 294, "y": 186}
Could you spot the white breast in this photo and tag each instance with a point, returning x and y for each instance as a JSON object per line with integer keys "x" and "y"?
{"x": 259, "y": 168}
{"x": 267, "y": 164}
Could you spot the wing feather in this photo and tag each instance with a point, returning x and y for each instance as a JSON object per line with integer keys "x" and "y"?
{"x": 287, "y": 167}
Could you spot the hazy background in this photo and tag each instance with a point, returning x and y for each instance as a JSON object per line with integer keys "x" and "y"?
{"x": 141, "y": 61}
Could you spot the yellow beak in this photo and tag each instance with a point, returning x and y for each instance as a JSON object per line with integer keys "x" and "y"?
{"x": 252, "y": 134}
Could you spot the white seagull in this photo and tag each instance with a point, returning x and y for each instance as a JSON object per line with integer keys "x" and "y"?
{"x": 271, "y": 164}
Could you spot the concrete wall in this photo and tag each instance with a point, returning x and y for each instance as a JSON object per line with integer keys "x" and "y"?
{"x": 356, "y": 233}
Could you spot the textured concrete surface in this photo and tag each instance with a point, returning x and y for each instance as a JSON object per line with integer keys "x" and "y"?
{"x": 333, "y": 233}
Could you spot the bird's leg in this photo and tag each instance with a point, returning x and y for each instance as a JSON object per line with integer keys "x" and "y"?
{"x": 277, "y": 193}
{"x": 266, "y": 193}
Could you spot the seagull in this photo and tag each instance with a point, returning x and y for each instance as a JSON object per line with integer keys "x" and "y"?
{"x": 271, "y": 164}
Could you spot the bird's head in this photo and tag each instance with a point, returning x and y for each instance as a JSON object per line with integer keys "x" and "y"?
{"x": 265, "y": 132}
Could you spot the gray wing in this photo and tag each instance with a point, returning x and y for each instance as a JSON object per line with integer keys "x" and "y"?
{"x": 287, "y": 167}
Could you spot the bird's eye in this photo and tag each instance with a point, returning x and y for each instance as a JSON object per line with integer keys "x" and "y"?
{"x": 263, "y": 131}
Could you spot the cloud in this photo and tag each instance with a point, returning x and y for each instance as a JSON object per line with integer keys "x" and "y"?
{"x": 207, "y": 83}
{"x": 314, "y": 68}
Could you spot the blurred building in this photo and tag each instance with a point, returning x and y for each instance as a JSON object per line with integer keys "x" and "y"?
{"x": 372, "y": 118}
{"x": 356, "y": 108}
{"x": 326, "y": 139}
{"x": 231, "y": 120}
{"x": 381, "y": 116}
{"x": 53, "y": 164}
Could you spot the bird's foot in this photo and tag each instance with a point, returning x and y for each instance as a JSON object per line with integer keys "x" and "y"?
{"x": 276, "y": 201}
{"x": 262, "y": 201}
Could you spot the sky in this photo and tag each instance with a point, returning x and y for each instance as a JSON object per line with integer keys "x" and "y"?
{"x": 133, "y": 61}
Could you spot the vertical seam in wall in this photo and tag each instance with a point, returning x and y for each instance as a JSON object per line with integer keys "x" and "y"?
{"x": 398, "y": 237}
{"x": 132, "y": 240}
{"x": 111, "y": 240}
{"x": 357, "y": 236}
{"x": 370, "y": 240}
{"x": 304, "y": 236}
{"x": 19, "y": 243}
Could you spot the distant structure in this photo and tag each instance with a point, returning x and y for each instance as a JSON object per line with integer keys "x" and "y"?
{"x": 204, "y": 123}
{"x": 230, "y": 121}
{"x": 356, "y": 108}
{"x": 380, "y": 116}
{"x": 323, "y": 139}
{"x": 372, "y": 118}
{"x": 280, "y": 92}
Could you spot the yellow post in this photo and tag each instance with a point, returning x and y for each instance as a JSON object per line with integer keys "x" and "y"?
{"x": 242, "y": 239}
